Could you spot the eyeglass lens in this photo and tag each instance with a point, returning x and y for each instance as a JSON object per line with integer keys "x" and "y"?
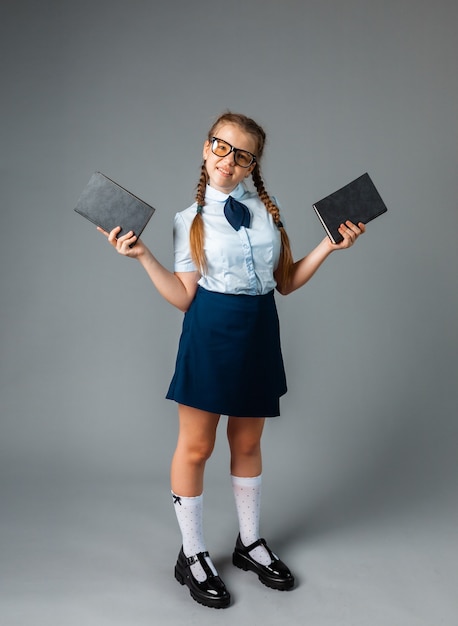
{"x": 222, "y": 148}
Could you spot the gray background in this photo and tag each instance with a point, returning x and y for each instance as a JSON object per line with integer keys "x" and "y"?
{"x": 360, "y": 471}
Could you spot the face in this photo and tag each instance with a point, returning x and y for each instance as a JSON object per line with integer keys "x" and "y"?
{"x": 223, "y": 172}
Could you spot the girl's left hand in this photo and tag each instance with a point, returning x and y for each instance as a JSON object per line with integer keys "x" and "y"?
{"x": 350, "y": 233}
{"x": 123, "y": 244}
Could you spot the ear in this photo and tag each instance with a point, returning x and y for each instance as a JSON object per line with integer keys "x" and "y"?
{"x": 206, "y": 150}
{"x": 249, "y": 170}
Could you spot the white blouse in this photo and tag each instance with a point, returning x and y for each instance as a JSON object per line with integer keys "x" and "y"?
{"x": 239, "y": 262}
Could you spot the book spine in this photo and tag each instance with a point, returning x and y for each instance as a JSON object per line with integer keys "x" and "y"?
{"x": 324, "y": 225}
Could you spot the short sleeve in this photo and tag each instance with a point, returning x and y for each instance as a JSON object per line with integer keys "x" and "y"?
{"x": 182, "y": 251}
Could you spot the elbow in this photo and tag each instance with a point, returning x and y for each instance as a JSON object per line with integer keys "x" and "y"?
{"x": 185, "y": 304}
{"x": 285, "y": 281}
{"x": 283, "y": 290}
{"x": 181, "y": 305}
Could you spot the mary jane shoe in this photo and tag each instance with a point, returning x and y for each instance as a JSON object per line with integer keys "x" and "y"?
{"x": 276, "y": 575}
{"x": 212, "y": 591}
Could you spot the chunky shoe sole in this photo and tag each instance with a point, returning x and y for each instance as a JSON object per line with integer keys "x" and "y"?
{"x": 239, "y": 561}
{"x": 242, "y": 560}
{"x": 182, "y": 576}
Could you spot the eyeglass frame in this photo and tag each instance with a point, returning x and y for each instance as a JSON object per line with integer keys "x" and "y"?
{"x": 234, "y": 150}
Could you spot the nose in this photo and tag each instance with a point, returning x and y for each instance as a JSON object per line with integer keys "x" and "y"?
{"x": 230, "y": 158}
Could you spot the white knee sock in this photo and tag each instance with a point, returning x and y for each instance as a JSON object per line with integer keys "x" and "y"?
{"x": 189, "y": 512}
{"x": 247, "y": 494}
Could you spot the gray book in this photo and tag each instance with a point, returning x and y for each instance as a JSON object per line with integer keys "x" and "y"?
{"x": 106, "y": 204}
{"x": 359, "y": 201}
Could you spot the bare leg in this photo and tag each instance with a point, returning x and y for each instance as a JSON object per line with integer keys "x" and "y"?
{"x": 244, "y": 436}
{"x": 196, "y": 440}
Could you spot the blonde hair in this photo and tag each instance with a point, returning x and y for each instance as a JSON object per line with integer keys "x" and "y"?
{"x": 197, "y": 236}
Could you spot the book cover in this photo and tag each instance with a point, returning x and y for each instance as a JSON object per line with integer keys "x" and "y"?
{"x": 106, "y": 204}
{"x": 358, "y": 201}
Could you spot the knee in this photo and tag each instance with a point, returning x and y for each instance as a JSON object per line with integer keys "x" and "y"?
{"x": 198, "y": 453}
{"x": 244, "y": 446}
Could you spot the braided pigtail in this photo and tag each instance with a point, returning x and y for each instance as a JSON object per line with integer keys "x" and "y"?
{"x": 196, "y": 234}
{"x": 286, "y": 256}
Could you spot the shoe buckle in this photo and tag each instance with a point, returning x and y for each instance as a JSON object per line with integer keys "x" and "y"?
{"x": 190, "y": 560}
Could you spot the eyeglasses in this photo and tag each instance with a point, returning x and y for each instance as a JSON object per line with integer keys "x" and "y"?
{"x": 241, "y": 157}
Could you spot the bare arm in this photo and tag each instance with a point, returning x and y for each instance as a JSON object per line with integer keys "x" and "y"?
{"x": 178, "y": 288}
{"x": 304, "y": 269}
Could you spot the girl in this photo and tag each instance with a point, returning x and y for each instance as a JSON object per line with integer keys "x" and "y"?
{"x": 231, "y": 252}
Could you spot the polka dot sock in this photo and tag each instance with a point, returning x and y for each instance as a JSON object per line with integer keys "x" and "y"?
{"x": 189, "y": 515}
{"x": 247, "y": 494}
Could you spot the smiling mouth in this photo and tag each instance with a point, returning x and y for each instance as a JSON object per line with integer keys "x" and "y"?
{"x": 224, "y": 172}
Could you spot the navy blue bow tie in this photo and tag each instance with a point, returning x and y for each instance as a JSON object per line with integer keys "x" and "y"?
{"x": 237, "y": 214}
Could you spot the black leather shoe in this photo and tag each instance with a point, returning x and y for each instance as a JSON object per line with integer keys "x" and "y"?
{"x": 276, "y": 575}
{"x": 212, "y": 591}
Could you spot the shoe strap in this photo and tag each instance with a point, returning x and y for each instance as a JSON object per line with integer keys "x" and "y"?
{"x": 261, "y": 542}
{"x": 201, "y": 558}
{"x": 197, "y": 558}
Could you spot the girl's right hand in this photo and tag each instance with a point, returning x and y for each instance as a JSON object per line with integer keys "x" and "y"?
{"x": 123, "y": 244}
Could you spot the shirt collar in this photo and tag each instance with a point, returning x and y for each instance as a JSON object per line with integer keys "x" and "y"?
{"x": 219, "y": 196}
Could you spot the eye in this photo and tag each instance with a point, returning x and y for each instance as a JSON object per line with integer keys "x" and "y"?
{"x": 220, "y": 147}
{"x": 244, "y": 158}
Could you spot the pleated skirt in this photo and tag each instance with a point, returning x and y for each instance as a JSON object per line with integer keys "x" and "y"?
{"x": 229, "y": 357}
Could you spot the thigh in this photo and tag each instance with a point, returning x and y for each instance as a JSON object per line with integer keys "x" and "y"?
{"x": 243, "y": 432}
{"x": 197, "y": 427}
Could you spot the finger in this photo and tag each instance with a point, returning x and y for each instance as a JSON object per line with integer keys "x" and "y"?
{"x": 349, "y": 237}
{"x": 347, "y": 232}
{"x": 352, "y": 227}
{"x": 127, "y": 239}
{"x": 126, "y": 236}
{"x": 125, "y": 243}
{"x": 112, "y": 236}
{"x": 104, "y": 232}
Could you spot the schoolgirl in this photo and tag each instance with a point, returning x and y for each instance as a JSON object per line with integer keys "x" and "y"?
{"x": 231, "y": 253}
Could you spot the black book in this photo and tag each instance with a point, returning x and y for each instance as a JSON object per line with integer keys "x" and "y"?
{"x": 106, "y": 204}
{"x": 359, "y": 201}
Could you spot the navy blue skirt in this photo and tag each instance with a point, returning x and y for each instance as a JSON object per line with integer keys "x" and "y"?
{"x": 229, "y": 358}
